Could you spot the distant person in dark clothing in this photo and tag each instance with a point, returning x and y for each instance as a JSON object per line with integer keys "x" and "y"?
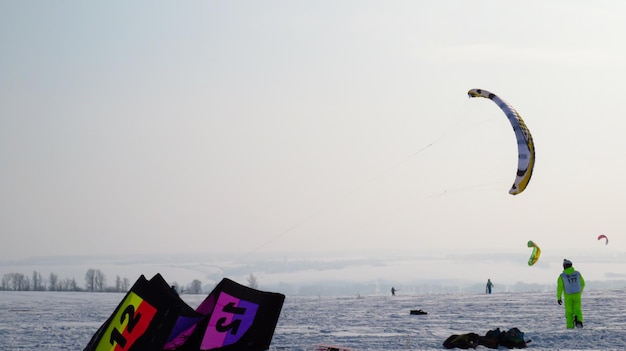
{"x": 173, "y": 287}
{"x": 488, "y": 287}
{"x": 393, "y": 291}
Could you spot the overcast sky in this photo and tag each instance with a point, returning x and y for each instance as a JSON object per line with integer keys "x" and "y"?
{"x": 294, "y": 126}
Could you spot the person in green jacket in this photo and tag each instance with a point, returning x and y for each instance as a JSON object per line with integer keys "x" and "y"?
{"x": 572, "y": 283}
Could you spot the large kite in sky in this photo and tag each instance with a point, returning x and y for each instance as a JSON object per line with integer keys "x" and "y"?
{"x": 525, "y": 145}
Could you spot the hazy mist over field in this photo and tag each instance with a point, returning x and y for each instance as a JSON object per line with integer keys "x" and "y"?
{"x": 324, "y": 273}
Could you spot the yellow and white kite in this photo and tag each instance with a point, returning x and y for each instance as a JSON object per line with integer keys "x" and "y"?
{"x": 525, "y": 145}
{"x": 534, "y": 256}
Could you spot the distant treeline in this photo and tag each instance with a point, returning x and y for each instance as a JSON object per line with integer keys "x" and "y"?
{"x": 95, "y": 281}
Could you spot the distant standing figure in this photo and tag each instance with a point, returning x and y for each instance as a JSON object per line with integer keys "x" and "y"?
{"x": 393, "y": 291}
{"x": 489, "y": 286}
{"x": 572, "y": 283}
{"x": 173, "y": 287}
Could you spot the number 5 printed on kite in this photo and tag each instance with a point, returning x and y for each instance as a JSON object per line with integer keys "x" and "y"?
{"x": 230, "y": 320}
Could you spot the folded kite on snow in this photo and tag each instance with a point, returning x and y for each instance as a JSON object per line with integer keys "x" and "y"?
{"x": 512, "y": 339}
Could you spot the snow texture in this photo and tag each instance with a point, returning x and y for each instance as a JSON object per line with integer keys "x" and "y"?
{"x": 66, "y": 321}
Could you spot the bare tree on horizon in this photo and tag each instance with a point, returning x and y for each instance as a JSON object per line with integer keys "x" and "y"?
{"x": 252, "y": 282}
{"x": 38, "y": 284}
{"x": 195, "y": 287}
{"x": 95, "y": 280}
{"x": 53, "y": 281}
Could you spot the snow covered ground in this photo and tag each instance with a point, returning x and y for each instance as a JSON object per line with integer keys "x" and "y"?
{"x": 66, "y": 321}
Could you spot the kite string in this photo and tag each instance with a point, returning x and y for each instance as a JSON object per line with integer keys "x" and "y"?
{"x": 336, "y": 201}
{"x": 373, "y": 178}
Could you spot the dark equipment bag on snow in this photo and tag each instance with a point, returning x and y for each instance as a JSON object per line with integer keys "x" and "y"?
{"x": 513, "y": 339}
{"x": 463, "y": 341}
{"x": 491, "y": 339}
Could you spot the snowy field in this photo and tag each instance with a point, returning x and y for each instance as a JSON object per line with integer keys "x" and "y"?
{"x": 66, "y": 321}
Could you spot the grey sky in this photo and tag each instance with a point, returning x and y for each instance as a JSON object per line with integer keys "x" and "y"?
{"x": 286, "y": 126}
